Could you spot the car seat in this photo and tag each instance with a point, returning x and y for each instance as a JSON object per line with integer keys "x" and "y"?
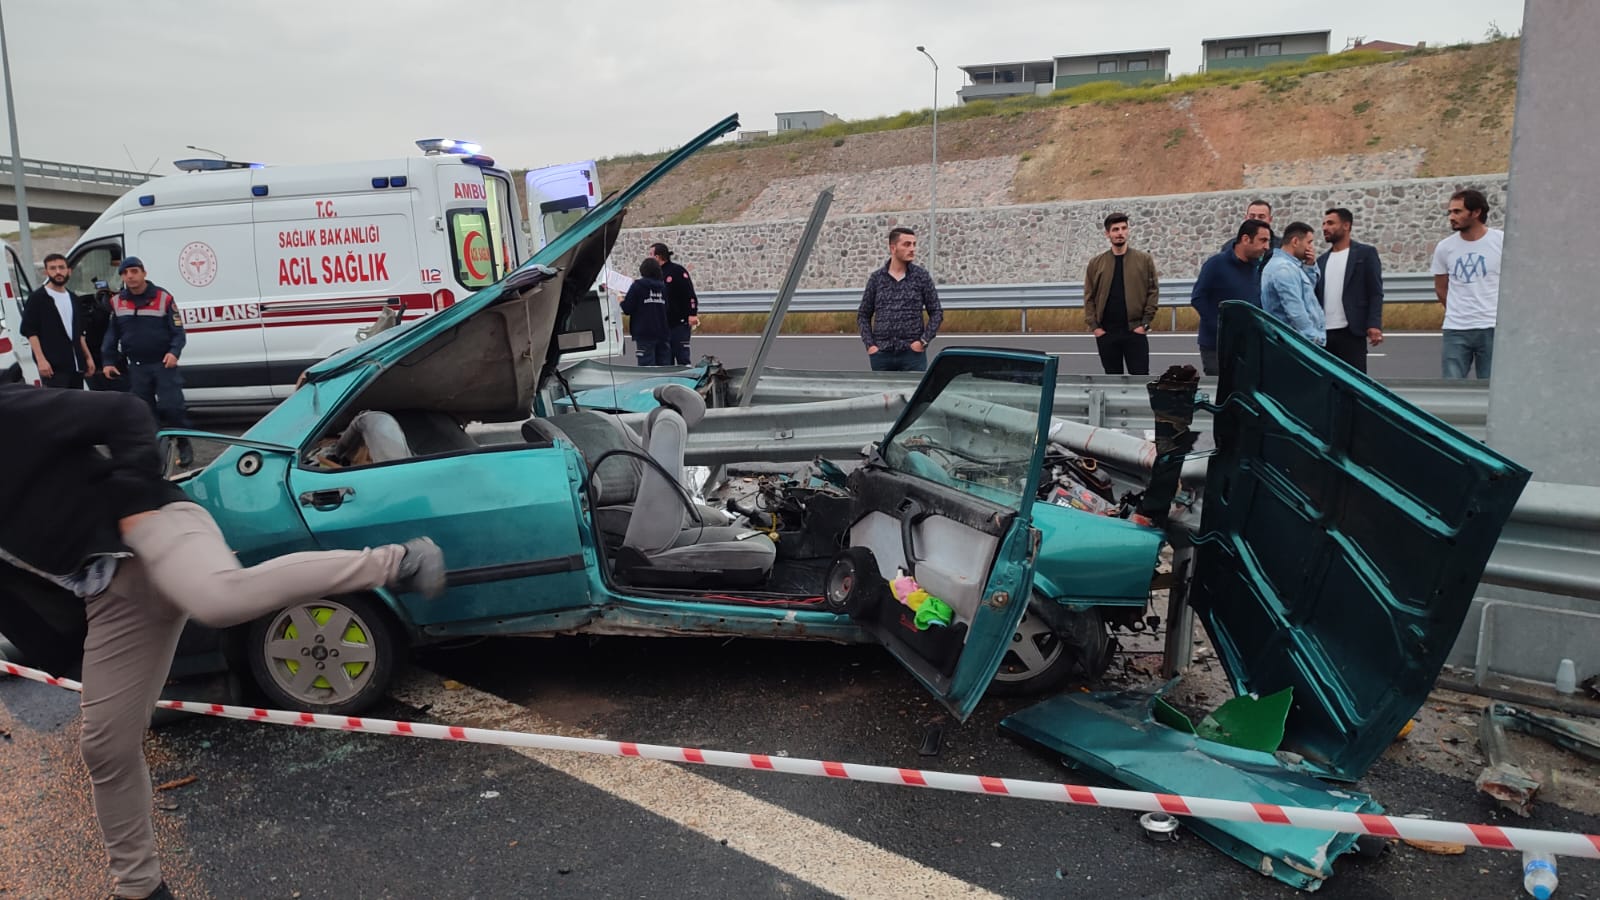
{"x": 668, "y": 541}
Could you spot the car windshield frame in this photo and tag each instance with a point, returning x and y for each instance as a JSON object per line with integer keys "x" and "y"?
{"x": 977, "y": 423}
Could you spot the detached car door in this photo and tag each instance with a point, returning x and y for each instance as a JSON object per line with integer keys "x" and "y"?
{"x": 506, "y": 518}
{"x": 946, "y": 502}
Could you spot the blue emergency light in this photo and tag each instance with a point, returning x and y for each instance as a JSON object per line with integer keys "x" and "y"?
{"x": 449, "y": 145}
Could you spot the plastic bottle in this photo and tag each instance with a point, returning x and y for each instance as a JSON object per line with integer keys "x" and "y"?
{"x": 1566, "y": 677}
{"x": 1539, "y": 874}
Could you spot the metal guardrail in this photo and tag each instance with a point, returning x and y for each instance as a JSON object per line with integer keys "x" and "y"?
{"x": 1550, "y": 545}
{"x": 1415, "y": 287}
{"x": 42, "y": 168}
{"x": 1115, "y": 401}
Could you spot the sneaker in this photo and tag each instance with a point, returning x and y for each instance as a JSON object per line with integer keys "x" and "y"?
{"x": 421, "y": 569}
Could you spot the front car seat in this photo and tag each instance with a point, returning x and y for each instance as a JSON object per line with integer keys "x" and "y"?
{"x": 669, "y": 542}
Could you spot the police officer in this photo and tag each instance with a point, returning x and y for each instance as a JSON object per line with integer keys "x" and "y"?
{"x": 145, "y": 337}
{"x": 683, "y": 307}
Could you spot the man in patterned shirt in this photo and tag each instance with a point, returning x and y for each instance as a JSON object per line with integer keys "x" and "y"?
{"x": 891, "y": 315}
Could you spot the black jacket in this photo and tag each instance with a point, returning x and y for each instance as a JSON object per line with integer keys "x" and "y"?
{"x": 1363, "y": 287}
{"x": 645, "y": 305}
{"x": 62, "y": 497}
{"x": 58, "y": 339}
{"x": 681, "y": 300}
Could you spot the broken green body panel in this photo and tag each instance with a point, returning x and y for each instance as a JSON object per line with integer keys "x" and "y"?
{"x": 1113, "y": 736}
{"x": 1343, "y": 535}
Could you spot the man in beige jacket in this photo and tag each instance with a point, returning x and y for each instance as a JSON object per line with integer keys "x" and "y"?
{"x": 1120, "y": 298}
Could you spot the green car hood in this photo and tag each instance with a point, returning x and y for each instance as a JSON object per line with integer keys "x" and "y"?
{"x": 483, "y": 356}
{"x": 1343, "y": 536}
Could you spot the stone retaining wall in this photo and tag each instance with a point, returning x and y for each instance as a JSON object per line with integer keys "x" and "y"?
{"x": 1050, "y": 242}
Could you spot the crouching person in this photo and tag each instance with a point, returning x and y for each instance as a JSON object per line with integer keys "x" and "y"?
{"x": 144, "y": 559}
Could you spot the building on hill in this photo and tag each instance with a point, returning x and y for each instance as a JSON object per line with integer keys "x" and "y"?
{"x": 992, "y": 81}
{"x": 1385, "y": 46}
{"x": 1128, "y": 66}
{"x": 805, "y": 120}
{"x": 1257, "y": 51}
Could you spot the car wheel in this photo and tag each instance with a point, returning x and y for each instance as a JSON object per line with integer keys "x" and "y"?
{"x": 1042, "y": 656}
{"x": 12, "y": 375}
{"x": 853, "y": 582}
{"x": 332, "y": 655}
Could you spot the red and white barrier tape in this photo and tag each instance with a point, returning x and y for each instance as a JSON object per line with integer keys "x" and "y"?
{"x": 1491, "y": 836}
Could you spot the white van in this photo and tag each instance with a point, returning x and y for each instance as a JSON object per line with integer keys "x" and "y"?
{"x": 558, "y": 196}
{"x": 277, "y": 267}
{"x": 16, "y": 357}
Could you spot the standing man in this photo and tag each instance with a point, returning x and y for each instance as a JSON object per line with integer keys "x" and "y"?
{"x": 1289, "y": 285}
{"x": 1466, "y": 279}
{"x": 54, "y": 327}
{"x": 1120, "y": 299}
{"x": 645, "y": 305}
{"x": 145, "y": 337}
{"x": 110, "y": 529}
{"x": 891, "y": 315}
{"x": 1352, "y": 290}
{"x": 1233, "y": 274}
{"x": 683, "y": 307}
{"x": 1259, "y": 211}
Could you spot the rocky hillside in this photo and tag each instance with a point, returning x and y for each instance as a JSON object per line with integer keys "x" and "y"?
{"x": 1440, "y": 113}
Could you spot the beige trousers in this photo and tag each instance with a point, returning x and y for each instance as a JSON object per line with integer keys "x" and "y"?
{"x": 181, "y": 568}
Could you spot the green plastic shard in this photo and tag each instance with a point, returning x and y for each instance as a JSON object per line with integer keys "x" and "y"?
{"x": 1250, "y": 723}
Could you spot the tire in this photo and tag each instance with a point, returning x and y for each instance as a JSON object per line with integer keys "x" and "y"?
{"x": 12, "y": 375}
{"x": 358, "y": 661}
{"x": 853, "y": 582}
{"x": 1051, "y": 647}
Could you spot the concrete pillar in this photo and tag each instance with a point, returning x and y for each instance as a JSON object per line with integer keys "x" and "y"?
{"x": 1544, "y": 411}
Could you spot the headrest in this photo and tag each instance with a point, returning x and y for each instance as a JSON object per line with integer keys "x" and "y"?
{"x": 687, "y": 403}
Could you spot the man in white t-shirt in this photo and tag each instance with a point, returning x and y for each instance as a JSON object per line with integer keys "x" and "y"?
{"x": 1466, "y": 279}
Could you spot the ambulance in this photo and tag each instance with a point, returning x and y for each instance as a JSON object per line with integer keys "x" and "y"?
{"x": 278, "y": 267}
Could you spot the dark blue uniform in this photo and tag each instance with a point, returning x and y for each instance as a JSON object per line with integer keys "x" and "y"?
{"x": 144, "y": 328}
{"x": 646, "y": 308}
{"x": 681, "y": 304}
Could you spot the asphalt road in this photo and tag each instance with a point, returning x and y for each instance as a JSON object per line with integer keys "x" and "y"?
{"x": 280, "y": 812}
{"x": 1401, "y": 355}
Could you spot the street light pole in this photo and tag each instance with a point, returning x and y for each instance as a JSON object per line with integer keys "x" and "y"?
{"x": 24, "y": 238}
{"x": 933, "y": 192}
{"x": 204, "y": 150}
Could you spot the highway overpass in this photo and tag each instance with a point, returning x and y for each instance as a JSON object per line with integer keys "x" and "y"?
{"x": 64, "y": 193}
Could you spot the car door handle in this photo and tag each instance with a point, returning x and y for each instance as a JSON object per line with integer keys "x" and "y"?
{"x": 327, "y": 498}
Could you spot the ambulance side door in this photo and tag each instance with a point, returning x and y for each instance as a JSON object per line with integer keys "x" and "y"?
{"x": 203, "y": 254}
{"x": 335, "y": 252}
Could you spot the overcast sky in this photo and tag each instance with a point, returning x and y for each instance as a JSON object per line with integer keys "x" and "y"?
{"x": 127, "y": 85}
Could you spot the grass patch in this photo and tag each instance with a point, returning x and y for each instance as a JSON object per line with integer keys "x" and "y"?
{"x": 1277, "y": 78}
{"x": 1362, "y": 107}
{"x": 1174, "y": 138}
{"x": 1451, "y": 114}
{"x": 44, "y": 231}
{"x": 689, "y": 215}
{"x": 1374, "y": 140}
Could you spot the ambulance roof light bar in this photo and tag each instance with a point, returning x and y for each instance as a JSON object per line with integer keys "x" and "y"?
{"x": 204, "y": 164}
{"x": 434, "y": 146}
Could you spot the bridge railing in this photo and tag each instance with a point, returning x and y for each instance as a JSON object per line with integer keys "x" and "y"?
{"x": 43, "y": 168}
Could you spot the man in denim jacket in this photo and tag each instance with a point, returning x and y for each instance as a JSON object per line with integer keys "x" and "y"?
{"x": 1289, "y": 285}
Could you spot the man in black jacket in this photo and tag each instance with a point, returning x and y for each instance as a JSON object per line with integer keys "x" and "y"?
{"x": 1352, "y": 290}
{"x": 54, "y": 326}
{"x": 683, "y": 307}
{"x": 110, "y": 529}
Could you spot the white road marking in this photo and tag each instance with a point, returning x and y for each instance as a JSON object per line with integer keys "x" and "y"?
{"x": 803, "y": 848}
